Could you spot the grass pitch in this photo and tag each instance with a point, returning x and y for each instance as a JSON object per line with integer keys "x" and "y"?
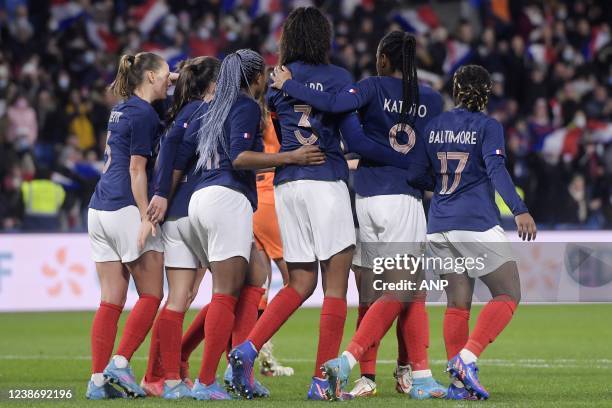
{"x": 550, "y": 355}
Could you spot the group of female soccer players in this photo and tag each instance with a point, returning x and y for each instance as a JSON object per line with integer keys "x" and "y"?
{"x": 201, "y": 190}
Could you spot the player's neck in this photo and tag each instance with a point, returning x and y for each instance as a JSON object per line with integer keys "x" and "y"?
{"x": 144, "y": 94}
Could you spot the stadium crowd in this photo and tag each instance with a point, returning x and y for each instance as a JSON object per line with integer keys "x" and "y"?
{"x": 550, "y": 62}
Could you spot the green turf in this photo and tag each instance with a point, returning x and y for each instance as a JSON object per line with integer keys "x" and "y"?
{"x": 548, "y": 356}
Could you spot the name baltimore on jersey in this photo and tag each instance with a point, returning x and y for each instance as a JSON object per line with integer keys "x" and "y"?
{"x": 449, "y": 136}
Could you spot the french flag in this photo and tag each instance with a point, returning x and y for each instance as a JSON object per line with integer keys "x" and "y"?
{"x": 417, "y": 21}
{"x": 64, "y": 13}
{"x": 172, "y": 55}
{"x": 100, "y": 36}
{"x": 149, "y": 14}
{"x": 246, "y": 135}
{"x": 458, "y": 54}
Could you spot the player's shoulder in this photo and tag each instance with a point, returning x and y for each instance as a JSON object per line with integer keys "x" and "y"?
{"x": 139, "y": 110}
{"x": 428, "y": 92}
{"x": 245, "y": 105}
{"x": 302, "y": 71}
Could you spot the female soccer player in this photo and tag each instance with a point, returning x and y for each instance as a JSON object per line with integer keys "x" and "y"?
{"x": 312, "y": 203}
{"x": 194, "y": 88}
{"x": 466, "y": 148}
{"x": 123, "y": 240}
{"x": 394, "y": 111}
{"x": 221, "y": 208}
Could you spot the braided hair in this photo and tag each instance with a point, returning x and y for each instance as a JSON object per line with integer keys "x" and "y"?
{"x": 400, "y": 49}
{"x": 195, "y": 75}
{"x": 238, "y": 70}
{"x": 306, "y": 37}
{"x": 471, "y": 87}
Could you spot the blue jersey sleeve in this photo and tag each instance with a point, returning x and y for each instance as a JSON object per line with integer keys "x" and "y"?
{"x": 187, "y": 148}
{"x": 493, "y": 153}
{"x": 350, "y": 98}
{"x": 416, "y": 161}
{"x": 244, "y": 129}
{"x": 167, "y": 155}
{"x": 143, "y": 132}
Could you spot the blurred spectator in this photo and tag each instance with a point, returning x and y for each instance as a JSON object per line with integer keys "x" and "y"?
{"x": 22, "y": 127}
{"x": 42, "y": 200}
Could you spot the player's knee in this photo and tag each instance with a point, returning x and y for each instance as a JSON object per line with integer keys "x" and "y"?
{"x": 464, "y": 304}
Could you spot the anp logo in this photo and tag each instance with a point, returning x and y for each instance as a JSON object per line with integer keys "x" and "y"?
{"x": 63, "y": 274}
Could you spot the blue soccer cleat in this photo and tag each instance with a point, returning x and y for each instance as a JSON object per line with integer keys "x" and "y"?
{"x": 179, "y": 391}
{"x": 259, "y": 390}
{"x": 468, "y": 375}
{"x": 212, "y": 392}
{"x": 124, "y": 378}
{"x": 337, "y": 372}
{"x": 227, "y": 379}
{"x": 459, "y": 393}
{"x": 318, "y": 390}
{"x": 106, "y": 391}
{"x": 242, "y": 358}
{"x": 426, "y": 388}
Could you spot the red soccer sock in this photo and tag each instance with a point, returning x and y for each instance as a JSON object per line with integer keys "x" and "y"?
{"x": 402, "y": 353}
{"x": 331, "y": 328}
{"x": 492, "y": 320}
{"x": 170, "y": 330}
{"x": 416, "y": 335}
{"x": 246, "y": 313}
{"x": 374, "y": 325}
{"x": 367, "y": 364}
{"x": 217, "y": 331}
{"x": 103, "y": 333}
{"x": 191, "y": 339}
{"x": 138, "y": 324}
{"x": 155, "y": 371}
{"x": 278, "y": 311}
{"x": 456, "y": 330}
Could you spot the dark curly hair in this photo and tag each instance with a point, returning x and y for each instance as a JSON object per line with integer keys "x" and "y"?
{"x": 195, "y": 76}
{"x": 400, "y": 49}
{"x": 306, "y": 37}
{"x": 471, "y": 87}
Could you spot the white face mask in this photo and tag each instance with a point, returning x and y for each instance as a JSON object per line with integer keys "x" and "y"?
{"x": 580, "y": 120}
{"x": 64, "y": 81}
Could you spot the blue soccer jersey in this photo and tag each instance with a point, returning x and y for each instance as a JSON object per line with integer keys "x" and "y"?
{"x": 301, "y": 124}
{"x": 133, "y": 130}
{"x": 379, "y": 102}
{"x": 242, "y": 133}
{"x": 168, "y": 154}
{"x": 467, "y": 152}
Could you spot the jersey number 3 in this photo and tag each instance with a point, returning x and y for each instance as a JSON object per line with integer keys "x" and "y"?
{"x": 304, "y": 122}
{"x": 444, "y": 157}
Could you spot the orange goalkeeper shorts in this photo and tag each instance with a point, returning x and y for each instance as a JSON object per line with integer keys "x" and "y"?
{"x": 266, "y": 231}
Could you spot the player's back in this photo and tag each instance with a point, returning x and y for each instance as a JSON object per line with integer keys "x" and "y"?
{"x": 380, "y": 123}
{"x": 457, "y": 142}
{"x": 301, "y": 124}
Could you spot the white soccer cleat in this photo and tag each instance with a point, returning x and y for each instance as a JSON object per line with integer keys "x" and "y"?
{"x": 403, "y": 379}
{"x": 269, "y": 366}
{"x": 364, "y": 387}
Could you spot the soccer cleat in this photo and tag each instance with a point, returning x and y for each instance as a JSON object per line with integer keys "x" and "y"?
{"x": 364, "y": 387}
{"x": 337, "y": 372}
{"x": 153, "y": 388}
{"x": 124, "y": 378}
{"x": 212, "y": 392}
{"x": 179, "y": 391}
{"x": 242, "y": 359}
{"x": 426, "y": 388}
{"x": 318, "y": 390}
{"x": 269, "y": 366}
{"x": 106, "y": 391}
{"x": 468, "y": 375}
{"x": 403, "y": 379}
{"x": 459, "y": 393}
{"x": 227, "y": 379}
{"x": 259, "y": 390}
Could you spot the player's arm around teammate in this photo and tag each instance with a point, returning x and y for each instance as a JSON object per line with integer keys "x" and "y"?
{"x": 194, "y": 85}
{"x": 123, "y": 240}
{"x": 221, "y": 208}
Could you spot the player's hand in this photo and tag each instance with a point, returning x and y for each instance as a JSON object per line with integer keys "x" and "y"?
{"x": 307, "y": 156}
{"x": 157, "y": 209}
{"x": 526, "y": 227}
{"x": 279, "y": 76}
{"x": 146, "y": 228}
{"x": 173, "y": 77}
